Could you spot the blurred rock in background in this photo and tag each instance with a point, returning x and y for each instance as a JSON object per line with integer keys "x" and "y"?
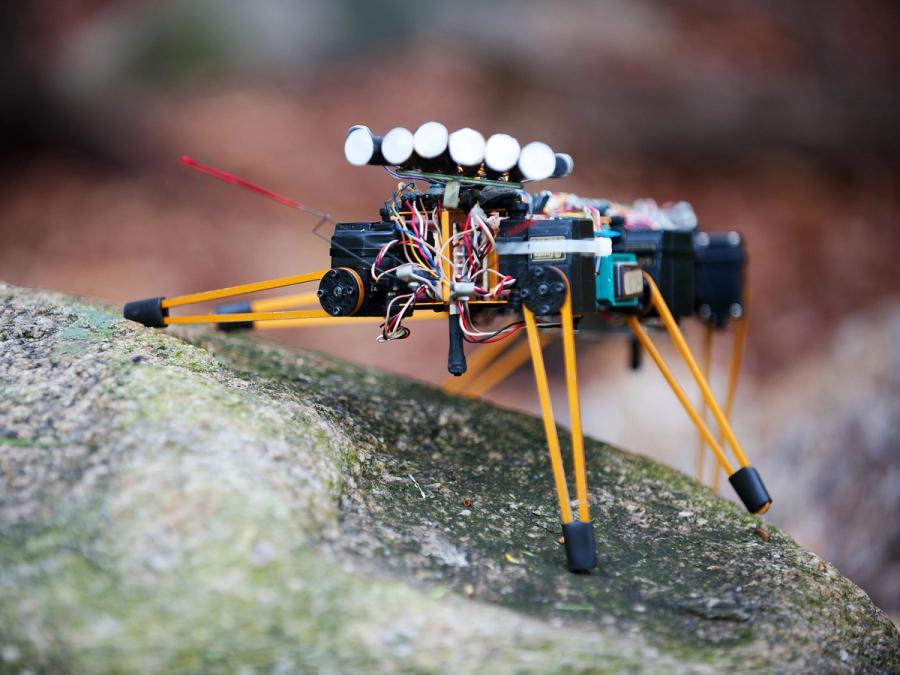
{"x": 776, "y": 119}
{"x": 830, "y": 427}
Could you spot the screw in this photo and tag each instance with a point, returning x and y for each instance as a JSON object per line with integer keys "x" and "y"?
{"x": 733, "y": 238}
{"x": 705, "y": 311}
{"x": 702, "y": 239}
{"x": 736, "y": 310}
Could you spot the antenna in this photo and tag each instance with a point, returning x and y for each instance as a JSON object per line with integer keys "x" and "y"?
{"x": 258, "y": 189}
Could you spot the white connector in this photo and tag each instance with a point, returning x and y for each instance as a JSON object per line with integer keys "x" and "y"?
{"x": 406, "y": 272}
{"x": 462, "y": 290}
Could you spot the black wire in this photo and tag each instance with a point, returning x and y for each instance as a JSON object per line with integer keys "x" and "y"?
{"x": 326, "y": 218}
{"x": 330, "y": 241}
{"x": 492, "y": 335}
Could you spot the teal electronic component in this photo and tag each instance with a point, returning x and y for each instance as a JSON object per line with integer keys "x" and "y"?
{"x": 612, "y": 282}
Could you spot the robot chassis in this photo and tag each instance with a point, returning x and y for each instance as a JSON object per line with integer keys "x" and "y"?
{"x": 475, "y": 249}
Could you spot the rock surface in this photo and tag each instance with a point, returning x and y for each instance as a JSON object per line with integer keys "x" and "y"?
{"x": 203, "y": 503}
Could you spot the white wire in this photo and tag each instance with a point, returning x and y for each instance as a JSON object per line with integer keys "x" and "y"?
{"x": 398, "y": 329}
{"x": 474, "y": 333}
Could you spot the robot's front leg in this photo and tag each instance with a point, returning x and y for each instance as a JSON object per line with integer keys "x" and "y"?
{"x": 581, "y": 547}
{"x": 265, "y": 313}
{"x": 154, "y": 312}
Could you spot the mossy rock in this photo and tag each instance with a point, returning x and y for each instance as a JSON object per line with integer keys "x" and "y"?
{"x": 207, "y": 503}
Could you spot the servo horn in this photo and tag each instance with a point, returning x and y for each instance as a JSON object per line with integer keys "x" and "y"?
{"x": 341, "y": 292}
{"x": 544, "y": 290}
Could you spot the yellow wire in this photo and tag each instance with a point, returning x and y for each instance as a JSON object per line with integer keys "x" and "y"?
{"x": 408, "y": 242}
{"x": 540, "y": 377}
{"x": 650, "y": 348}
{"x": 672, "y": 327}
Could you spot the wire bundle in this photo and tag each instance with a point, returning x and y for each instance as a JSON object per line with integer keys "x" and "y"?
{"x": 642, "y": 214}
{"x": 566, "y": 204}
{"x": 474, "y": 244}
{"x": 460, "y": 267}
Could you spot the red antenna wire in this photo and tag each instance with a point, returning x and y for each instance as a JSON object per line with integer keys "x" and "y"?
{"x": 235, "y": 180}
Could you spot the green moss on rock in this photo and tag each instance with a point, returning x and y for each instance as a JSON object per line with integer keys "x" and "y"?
{"x": 206, "y": 503}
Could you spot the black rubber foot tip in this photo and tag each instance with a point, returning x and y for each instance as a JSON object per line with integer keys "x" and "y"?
{"x": 149, "y": 312}
{"x": 235, "y": 308}
{"x": 456, "y": 359}
{"x": 581, "y": 548}
{"x": 750, "y": 488}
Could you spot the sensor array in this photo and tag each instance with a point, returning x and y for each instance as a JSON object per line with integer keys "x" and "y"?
{"x": 464, "y": 152}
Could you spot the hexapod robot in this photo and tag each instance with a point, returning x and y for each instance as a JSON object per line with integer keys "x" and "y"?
{"x": 460, "y": 240}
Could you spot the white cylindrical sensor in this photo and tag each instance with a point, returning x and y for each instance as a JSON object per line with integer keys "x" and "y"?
{"x": 501, "y": 152}
{"x": 397, "y": 146}
{"x": 537, "y": 161}
{"x": 430, "y": 140}
{"x": 361, "y": 146}
{"x": 564, "y": 165}
{"x": 467, "y": 147}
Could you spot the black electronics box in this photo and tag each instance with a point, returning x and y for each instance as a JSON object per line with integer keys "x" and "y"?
{"x": 668, "y": 256}
{"x": 356, "y": 246}
{"x": 719, "y": 261}
{"x": 579, "y": 267}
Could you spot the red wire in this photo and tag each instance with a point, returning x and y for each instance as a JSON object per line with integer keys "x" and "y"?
{"x": 412, "y": 219}
{"x": 235, "y": 180}
{"x": 412, "y": 222}
{"x": 497, "y": 338}
{"x": 503, "y": 336}
{"x": 468, "y": 241}
{"x": 396, "y": 317}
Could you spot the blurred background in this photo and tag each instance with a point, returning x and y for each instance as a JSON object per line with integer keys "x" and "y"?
{"x": 776, "y": 119}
